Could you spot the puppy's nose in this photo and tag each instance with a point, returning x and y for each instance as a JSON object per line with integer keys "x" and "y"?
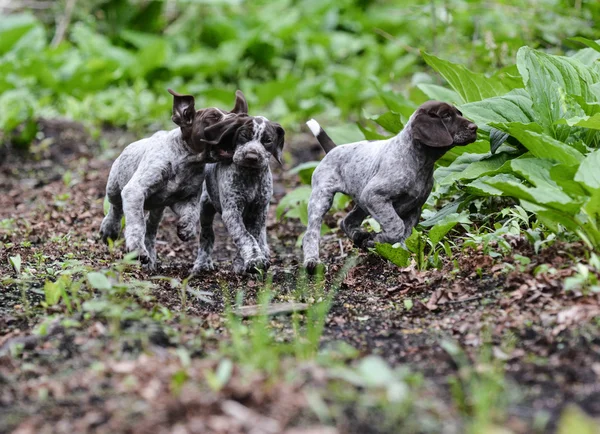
{"x": 472, "y": 127}
{"x": 252, "y": 156}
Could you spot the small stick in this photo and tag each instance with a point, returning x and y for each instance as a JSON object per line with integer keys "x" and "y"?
{"x": 61, "y": 29}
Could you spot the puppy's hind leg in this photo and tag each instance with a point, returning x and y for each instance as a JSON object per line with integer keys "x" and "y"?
{"x": 204, "y": 261}
{"x": 351, "y": 226}
{"x": 318, "y": 205}
{"x": 111, "y": 225}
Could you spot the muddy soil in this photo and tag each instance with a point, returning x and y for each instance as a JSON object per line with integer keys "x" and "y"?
{"x": 81, "y": 379}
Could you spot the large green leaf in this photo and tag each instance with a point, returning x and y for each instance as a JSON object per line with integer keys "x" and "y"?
{"x": 590, "y": 43}
{"x": 589, "y": 173}
{"x": 433, "y": 91}
{"x": 13, "y": 27}
{"x": 394, "y": 253}
{"x": 591, "y": 122}
{"x": 564, "y": 176}
{"x": 515, "y": 106}
{"x": 552, "y": 82}
{"x": 390, "y": 121}
{"x": 545, "y": 195}
{"x": 471, "y": 86}
{"x": 471, "y": 166}
{"x": 539, "y": 144}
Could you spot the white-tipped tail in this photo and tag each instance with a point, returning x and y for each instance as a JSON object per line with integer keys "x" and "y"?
{"x": 314, "y": 126}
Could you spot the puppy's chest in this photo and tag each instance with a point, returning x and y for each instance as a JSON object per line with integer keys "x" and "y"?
{"x": 248, "y": 189}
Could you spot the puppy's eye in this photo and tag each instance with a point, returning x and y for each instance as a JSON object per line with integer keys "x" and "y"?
{"x": 447, "y": 115}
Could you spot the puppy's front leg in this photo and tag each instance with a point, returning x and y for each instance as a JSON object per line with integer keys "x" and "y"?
{"x": 245, "y": 242}
{"x": 381, "y": 209}
{"x": 135, "y": 224}
{"x": 152, "y": 224}
{"x": 256, "y": 223}
{"x": 149, "y": 178}
{"x": 204, "y": 261}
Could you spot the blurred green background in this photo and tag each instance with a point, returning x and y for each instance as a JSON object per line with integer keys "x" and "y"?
{"x": 109, "y": 62}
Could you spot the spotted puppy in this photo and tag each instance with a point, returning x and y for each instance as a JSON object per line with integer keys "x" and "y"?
{"x": 389, "y": 180}
{"x": 240, "y": 189}
{"x": 166, "y": 170}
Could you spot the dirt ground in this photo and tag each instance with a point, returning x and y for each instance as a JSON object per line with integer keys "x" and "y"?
{"x": 82, "y": 379}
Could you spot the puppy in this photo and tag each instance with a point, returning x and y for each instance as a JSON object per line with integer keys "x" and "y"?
{"x": 240, "y": 189}
{"x": 389, "y": 180}
{"x": 166, "y": 170}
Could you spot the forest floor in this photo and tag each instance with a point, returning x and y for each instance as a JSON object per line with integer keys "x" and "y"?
{"x": 483, "y": 342}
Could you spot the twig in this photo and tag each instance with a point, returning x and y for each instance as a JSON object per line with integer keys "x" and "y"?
{"x": 465, "y": 300}
{"x": 63, "y": 25}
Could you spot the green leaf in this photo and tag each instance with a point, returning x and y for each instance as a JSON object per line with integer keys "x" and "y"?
{"x": 564, "y": 176}
{"x": 590, "y": 43}
{"x": 390, "y": 121}
{"x": 433, "y": 91}
{"x": 471, "y": 166}
{"x": 52, "y": 292}
{"x": 551, "y": 81}
{"x": 292, "y": 200}
{"x": 15, "y": 262}
{"x": 396, "y": 254}
{"x": 591, "y": 122}
{"x": 589, "y": 173}
{"x": 440, "y": 229}
{"x": 545, "y": 195}
{"x": 305, "y": 171}
{"x": 497, "y": 138}
{"x": 575, "y": 420}
{"x": 479, "y": 187}
{"x": 539, "y": 144}
{"x": 515, "y": 106}
{"x": 469, "y": 85}
{"x": 98, "y": 281}
{"x": 14, "y": 27}
{"x": 370, "y": 133}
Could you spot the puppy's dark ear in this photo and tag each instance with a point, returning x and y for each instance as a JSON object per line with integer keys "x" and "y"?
{"x": 183, "y": 109}
{"x": 429, "y": 129}
{"x": 280, "y": 138}
{"x": 241, "y": 106}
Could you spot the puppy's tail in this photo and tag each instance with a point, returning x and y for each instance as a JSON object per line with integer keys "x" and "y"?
{"x": 324, "y": 140}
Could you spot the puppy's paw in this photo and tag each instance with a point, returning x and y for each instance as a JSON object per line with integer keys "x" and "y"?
{"x": 186, "y": 232}
{"x": 313, "y": 265}
{"x": 202, "y": 267}
{"x": 109, "y": 230}
{"x": 361, "y": 238}
{"x": 142, "y": 255}
{"x": 256, "y": 264}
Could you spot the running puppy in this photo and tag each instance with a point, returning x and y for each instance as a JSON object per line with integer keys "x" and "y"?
{"x": 389, "y": 180}
{"x": 240, "y": 189}
{"x": 166, "y": 170}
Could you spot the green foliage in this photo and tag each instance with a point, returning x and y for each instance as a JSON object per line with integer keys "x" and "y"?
{"x": 550, "y": 125}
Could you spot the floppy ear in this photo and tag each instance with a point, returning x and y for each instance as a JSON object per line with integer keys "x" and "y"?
{"x": 221, "y": 137}
{"x": 183, "y": 109}
{"x": 429, "y": 129}
{"x": 241, "y": 106}
{"x": 278, "y": 150}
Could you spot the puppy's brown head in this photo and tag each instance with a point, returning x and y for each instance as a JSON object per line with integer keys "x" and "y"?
{"x": 254, "y": 140}
{"x": 207, "y": 128}
{"x": 440, "y": 125}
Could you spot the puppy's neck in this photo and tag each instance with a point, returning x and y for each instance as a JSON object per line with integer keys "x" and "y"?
{"x": 427, "y": 154}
